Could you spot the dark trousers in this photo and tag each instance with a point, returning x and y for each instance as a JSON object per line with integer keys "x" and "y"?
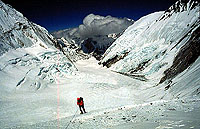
{"x": 82, "y": 106}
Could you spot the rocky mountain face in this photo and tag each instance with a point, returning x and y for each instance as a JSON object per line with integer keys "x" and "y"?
{"x": 162, "y": 48}
{"x": 95, "y": 35}
{"x": 29, "y": 50}
{"x": 72, "y": 50}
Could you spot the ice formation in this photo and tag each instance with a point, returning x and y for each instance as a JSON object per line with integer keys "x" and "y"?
{"x": 159, "y": 46}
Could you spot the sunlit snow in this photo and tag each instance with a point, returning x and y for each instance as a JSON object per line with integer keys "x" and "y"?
{"x": 39, "y": 85}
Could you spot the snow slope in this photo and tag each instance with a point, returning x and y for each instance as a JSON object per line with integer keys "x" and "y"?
{"x": 98, "y": 86}
{"x": 32, "y": 68}
{"x": 177, "y": 114}
{"x": 39, "y": 85}
{"x": 17, "y": 31}
{"x": 125, "y": 42}
{"x": 111, "y": 100}
{"x": 160, "y": 46}
{"x": 28, "y": 50}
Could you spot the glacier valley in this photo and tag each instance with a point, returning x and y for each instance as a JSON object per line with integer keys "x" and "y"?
{"x": 132, "y": 74}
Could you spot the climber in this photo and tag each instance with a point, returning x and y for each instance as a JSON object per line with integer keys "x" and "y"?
{"x": 80, "y": 103}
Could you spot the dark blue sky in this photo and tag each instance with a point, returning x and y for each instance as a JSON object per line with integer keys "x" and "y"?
{"x": 62, "y": 14}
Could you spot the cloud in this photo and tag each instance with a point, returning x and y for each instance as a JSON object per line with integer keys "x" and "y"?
{"x": 94, "y": 25}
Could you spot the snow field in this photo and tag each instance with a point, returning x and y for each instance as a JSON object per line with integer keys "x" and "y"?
{"x": 100, "y": 90}
{"x": 39, "y": 85}
{"x": 157, "y": 114}
{"x": 111, "y": 100}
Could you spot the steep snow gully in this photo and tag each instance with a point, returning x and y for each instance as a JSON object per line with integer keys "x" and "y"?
{"x": 159, "y": 53}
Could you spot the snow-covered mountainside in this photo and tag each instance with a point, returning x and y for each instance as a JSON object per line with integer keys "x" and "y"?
{"x": 96, "y": 33}
{"x": 162, "y": 48}
{"x": 72, "y": 50}
{"x": 39, "y": 85}
{"x": 17, "y": 31}
{"x": 27, "y": 49}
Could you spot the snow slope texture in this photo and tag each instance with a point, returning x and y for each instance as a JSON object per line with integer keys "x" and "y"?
{"x": 29, "y": 60}
{"x": 17, "y": 31}
{"x": 27, "y": 103}
{"x": 160, "y": 46}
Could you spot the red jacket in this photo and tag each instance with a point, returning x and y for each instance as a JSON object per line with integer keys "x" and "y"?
{"x": 79, "y": 102}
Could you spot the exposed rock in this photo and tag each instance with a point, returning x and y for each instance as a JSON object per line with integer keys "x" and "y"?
{"x": 140, "y": 67}
{"x": 109, "y": 62}
{"x": 185, "y": 57}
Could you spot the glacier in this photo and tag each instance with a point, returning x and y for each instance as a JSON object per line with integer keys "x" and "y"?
{"x": 29, "y": 50}
{"x": 152, "y": 79}
{"x": 149, "y": 47}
